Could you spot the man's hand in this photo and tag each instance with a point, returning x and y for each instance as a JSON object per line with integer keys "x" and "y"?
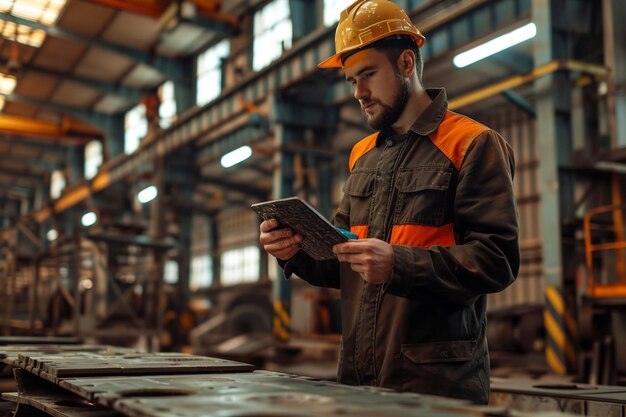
{"x": 281, "y": 243}
{"x": 372, "y": 258}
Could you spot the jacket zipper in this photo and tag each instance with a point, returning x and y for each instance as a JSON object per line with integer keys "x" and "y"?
{"x": 393, "y": 194}
{"x": 387, "y": 236}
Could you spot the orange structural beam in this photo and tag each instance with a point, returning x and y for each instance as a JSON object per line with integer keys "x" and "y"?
{"x": 154, "y": 8}
{"x": 69, "y": 131}
{"x": 74, "y": 196}
{"x": 518, "y": 80}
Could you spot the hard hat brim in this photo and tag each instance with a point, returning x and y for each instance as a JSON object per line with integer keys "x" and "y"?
{"x": 332, "y": 62}
{"x": 335, "y": 60}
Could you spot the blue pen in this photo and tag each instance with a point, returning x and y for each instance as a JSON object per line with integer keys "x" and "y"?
{"x": 347, "y": 234}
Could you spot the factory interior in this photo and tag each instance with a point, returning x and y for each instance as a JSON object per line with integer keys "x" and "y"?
{"x": 136, "y": 134}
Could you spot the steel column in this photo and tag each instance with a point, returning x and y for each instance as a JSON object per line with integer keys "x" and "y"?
{"x": 615, "y": 58}
{"x": 114, "y": 137}
{"x": 76, "y": 164}
{"x": 155, "y": 284}
{"x": 303, "y": 19}
{"x": 283, "y": 187}
{"x": 552, "y": 131}
{"x": 214, "y": 239}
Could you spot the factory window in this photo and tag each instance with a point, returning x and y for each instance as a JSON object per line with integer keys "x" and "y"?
{"x": 167, "y": 106}
{"x": 272, "y": 33}
{"x": 332, "y": 10}
{"x": 93, "y": 158}
{"x": 135, "y": 127}
{"x": 201, "y": 272}
{"x": 240, "y": 265}
{"x": 57, "y": 183}
{"x": 209, "y": 72}
{"x": 170, "y": 272}
{"x": 45, "y": 12}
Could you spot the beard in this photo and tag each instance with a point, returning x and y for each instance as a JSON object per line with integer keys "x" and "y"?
{"x": 391, "y": 113}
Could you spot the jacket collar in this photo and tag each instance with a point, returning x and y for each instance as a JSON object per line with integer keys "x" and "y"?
{"x": 428, "y": 122}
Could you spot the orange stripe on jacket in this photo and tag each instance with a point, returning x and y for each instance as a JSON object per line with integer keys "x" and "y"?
{"x": 360, "y": 231}
{"x": 422, "y": 236}
{"x": 454, "y": 136}
{"x": 361, "y": 148}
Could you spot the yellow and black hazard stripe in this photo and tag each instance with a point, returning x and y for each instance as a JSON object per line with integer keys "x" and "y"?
{"x": 282, "y": 321}
{"x": 561, "y": 332}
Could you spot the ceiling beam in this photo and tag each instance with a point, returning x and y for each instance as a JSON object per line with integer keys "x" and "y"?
{"x": 51, "y": 146}
{"x": 20, "y": 189}
{"x": 237, "y": 187}
{"x": 101, "y": 120}
{"x": 23, "y": 174}
{"x": 33, "y": 161}
{"x": 172, "y": 68}
{"x": 68, "y": 131}
{"x": 154, "y": 8}
{"x": 130, "y": 93}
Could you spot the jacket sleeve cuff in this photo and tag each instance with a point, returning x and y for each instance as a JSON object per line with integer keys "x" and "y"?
{"x": 403, "y": 271}
{"x": 288, "y": 266}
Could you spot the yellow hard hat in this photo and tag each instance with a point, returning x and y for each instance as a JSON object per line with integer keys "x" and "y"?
{"x": 365, "y": 22}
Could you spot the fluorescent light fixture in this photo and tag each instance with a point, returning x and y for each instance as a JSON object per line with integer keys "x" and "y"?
{"x": 496, "y": 45}
{"x": 7, "y": 83}
{"x": 52, "y": 235}
{"x": 25, "y": 35}
{"x": 89, "y": 219}
{"x": 236, "y": 156}
{"x": 147, "y": 194}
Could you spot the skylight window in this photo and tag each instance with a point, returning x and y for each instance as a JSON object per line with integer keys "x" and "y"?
{"x": 240, "y": 265}
{"x": 57, "y": 184}
{"x": 332, "y": 10}
{"x": 93, "y": 158}
{"x": 135, "y": 128}
{"x": 272, "y": 33}
{"x": 41, "y": 11}
{"x": 167, "y": 108}
{"x": 209, "y": 71}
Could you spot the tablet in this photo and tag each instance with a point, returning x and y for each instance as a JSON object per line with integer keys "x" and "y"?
{"x": 319, "y": 234}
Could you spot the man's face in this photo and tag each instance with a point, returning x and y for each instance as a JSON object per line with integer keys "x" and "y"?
{"x": 380, "y": 89}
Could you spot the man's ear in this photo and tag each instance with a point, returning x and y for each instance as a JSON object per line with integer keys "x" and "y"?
{"x": 406, "y": 62}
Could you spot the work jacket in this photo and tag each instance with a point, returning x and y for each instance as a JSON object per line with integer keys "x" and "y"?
{"x": 442, "y": 195}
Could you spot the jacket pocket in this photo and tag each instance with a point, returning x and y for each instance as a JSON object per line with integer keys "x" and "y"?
{"x": 441, "y": 368}
{"x": 422, "y": 196}
{"x": 359, "y": 188}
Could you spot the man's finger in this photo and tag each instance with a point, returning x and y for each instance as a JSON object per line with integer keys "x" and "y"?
{"x": 280, "y": 244}
{"x": 348, "y": 247}
{"x": 268, "y": 225}
{"x": 272, "y": 236}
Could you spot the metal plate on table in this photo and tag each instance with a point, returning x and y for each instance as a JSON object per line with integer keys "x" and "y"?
{"x": 61, "y": 405}
{"x": 10, "y": 354}
{"x": 38, "y": 340}
{"x": 551, "y": 389}
{"x": 289, "y": 404}
{"x": 85, "y": 364}
{"x": 106, "y": 390}
{"x": 613, "y": 397}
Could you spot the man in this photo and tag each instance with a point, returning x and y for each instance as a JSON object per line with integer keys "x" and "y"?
{"x": 431, "y": 198}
